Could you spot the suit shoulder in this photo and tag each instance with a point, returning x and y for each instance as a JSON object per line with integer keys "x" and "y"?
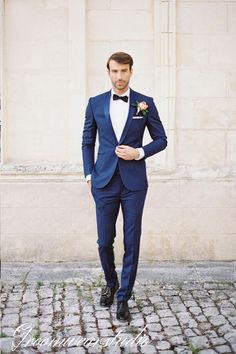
{"x": 99, "y": 97}
{"x": 142, "y": 97}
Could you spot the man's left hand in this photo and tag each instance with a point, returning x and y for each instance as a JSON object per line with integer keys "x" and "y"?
{"x": 126, "y": 152}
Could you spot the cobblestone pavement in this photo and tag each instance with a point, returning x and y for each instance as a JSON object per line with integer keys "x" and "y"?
{"x": 176, "y": 308}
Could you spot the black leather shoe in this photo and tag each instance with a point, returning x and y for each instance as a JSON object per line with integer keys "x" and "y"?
{"x": 107, "y": 295}
{"x": 122, "y": 312}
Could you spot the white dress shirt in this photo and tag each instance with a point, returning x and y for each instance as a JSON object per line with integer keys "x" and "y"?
{"x": 119, "y": 113}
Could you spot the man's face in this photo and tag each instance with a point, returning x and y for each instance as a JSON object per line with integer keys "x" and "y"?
{"x": 120, "y": 76}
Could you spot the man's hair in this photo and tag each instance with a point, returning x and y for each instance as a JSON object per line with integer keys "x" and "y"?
{"x": 121, "y": 58}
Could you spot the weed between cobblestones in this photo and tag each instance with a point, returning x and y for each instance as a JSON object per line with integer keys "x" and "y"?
{"x": 99, "y": 283}
{"x": 36, "y": 335}
{"x": 132, "y": 329}
{"x": 40, "y": 283}
{"x": 194, "y": 350}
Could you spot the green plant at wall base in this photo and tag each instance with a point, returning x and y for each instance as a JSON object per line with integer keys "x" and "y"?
{"x": 100, "y": 282}
{"x": 54, "y": 289}
{"x": 97, "y": 283}
{"x": 79, "y": 291}
{"x": 179, "y": 286}
{"x": 3, "y": 335}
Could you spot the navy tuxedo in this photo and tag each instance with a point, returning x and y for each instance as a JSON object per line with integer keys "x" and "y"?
{"x": 117, "y": 182}
{"x": 133, "y": 172}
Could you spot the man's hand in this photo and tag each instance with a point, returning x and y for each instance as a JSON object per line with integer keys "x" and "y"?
{"x": 126, "y": 152}
{"x": 89, "y": 184}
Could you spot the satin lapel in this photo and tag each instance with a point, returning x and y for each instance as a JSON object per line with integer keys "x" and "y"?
{"x": 107, "y": 113}
{"x": 130, "y": 115}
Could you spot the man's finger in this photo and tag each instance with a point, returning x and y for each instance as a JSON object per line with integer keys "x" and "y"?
{"x": 121, "y": 153}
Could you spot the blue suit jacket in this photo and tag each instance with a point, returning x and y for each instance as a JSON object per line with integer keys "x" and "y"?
{"x": 133, "y": 172}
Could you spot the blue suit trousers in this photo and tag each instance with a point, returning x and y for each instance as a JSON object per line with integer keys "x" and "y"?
{"x": 108, "y": 201}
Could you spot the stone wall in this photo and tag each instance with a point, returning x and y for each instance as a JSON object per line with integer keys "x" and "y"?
{"x": 53, "y": 59}
{"x": 206, "y": 91}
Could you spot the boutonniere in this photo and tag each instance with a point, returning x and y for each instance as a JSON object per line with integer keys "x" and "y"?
{"x": 141, "y": 107}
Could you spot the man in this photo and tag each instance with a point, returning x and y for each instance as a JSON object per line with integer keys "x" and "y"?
{"x": 118, "y": 178}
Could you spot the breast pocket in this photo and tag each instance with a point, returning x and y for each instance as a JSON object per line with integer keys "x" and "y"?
{"x": 137, "y": 126}
{"x": 138, "y": 117}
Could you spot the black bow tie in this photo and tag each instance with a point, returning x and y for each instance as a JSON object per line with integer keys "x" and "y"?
{"x": 123, "y": 98}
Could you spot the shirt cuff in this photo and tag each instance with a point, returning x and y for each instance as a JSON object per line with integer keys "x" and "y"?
{"x": 88, "y": 178}
{"x": 141, "y": 153}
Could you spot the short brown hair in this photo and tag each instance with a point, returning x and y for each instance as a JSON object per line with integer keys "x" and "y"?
{"x": 121, "y": 58}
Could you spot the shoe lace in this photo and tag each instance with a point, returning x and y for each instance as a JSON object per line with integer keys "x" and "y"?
{"x": 106, "y": 291}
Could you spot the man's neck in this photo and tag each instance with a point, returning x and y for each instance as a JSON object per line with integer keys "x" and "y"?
{"x": 120, "y": 92}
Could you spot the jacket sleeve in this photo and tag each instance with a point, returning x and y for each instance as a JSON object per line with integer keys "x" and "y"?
{"x": 156, "y": 131}
{"x": 88, "y": 140}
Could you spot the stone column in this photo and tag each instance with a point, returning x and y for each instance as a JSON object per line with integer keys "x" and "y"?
{"x": 1, "y": 75}
{"x": 165, "y": 73}
{"x": 77, "y": 76}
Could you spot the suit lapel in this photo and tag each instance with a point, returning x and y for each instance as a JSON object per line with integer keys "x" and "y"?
{"x": 107, "y": 114}
{"x": 130, "y": 115}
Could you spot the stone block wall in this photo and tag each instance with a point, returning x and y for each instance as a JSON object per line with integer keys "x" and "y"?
{"x": 53, "y": 58}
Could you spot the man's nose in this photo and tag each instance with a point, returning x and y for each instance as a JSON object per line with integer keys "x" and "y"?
{"x": 119, "y": 76}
